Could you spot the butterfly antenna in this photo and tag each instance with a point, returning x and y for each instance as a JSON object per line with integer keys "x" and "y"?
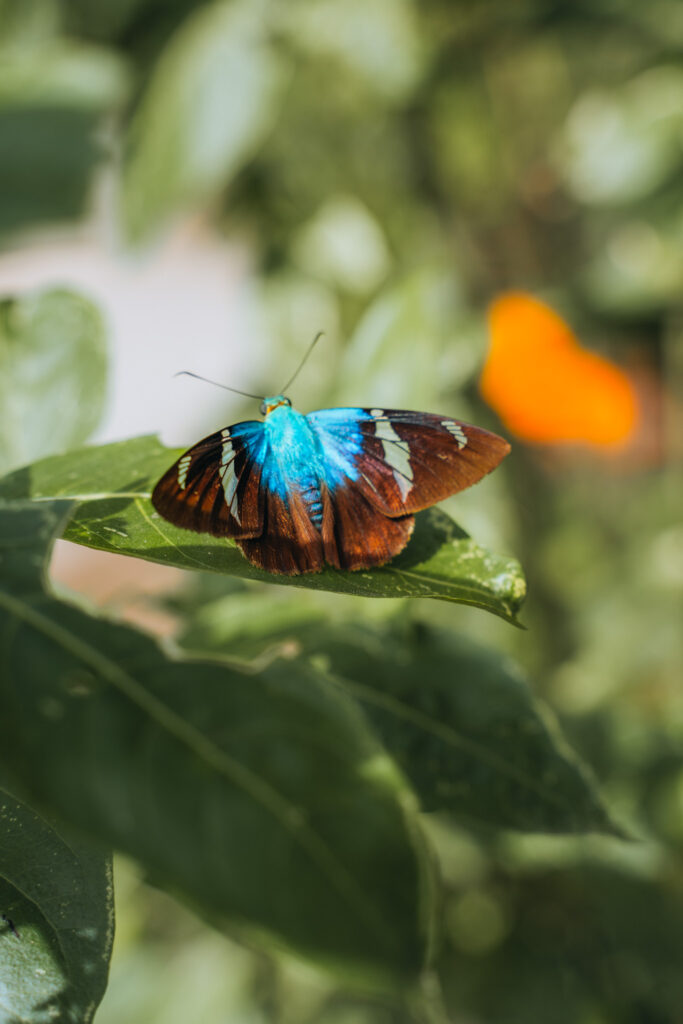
{"x": 301, "y": 364}
{"x": 235, "y": 391}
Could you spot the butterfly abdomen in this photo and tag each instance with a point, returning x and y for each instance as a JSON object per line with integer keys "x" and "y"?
{"x": 295, "y": 461}
{"x": 312, "y": 499}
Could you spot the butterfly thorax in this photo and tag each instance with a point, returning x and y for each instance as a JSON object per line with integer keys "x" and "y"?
{"x": 294, "y": 463}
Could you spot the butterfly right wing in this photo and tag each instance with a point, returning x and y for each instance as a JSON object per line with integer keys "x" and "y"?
{"x": 405, "y": 461}
{"x": 215, "y": 487}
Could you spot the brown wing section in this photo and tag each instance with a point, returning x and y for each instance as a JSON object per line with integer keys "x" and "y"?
{"x": 289, "y": 543}
{"x": 194, "y": 492}
{"x": 411, "y": 461}
{"x": 355, "y": 534}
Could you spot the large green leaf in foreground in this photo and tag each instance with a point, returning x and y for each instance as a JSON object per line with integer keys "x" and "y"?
{"x": 262, "y": 797}
{"x": 463, "y": 725}
{"x": 111, "y": 486}
{"x": 458, "y": 718}
{"x": 57, "y": 926}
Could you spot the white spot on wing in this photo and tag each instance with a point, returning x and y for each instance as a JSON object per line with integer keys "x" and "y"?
{"x": 228, "y": 475}
{"x": 396, "y": 452}
{"x": 227, "y": 453}
{"x": 404, "y": 485}
{"x": 183, "y": 466}
{"x": 456, "y": 431}
{"x": 369, "y": 483}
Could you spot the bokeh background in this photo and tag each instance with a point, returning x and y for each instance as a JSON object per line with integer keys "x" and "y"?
{"x": 223, "y": 180}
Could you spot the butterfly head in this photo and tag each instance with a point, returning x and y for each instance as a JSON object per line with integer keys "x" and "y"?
{"x": 268, "y": 405}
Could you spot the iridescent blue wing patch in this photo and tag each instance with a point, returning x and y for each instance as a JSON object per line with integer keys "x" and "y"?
{"x": 215, "y": 487}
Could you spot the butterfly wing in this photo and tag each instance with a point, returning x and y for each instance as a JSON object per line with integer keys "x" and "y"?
{"x": 403, "y": 461}
{"x": 351, "y": 534}
{"x": 355, "y": 534}
{"x": 215, "y": 487}
{"x": 289, "y": 541}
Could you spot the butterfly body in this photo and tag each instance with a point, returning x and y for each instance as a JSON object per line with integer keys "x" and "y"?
{"x": 294, "y": 460}
{"x": 336, "y": 486}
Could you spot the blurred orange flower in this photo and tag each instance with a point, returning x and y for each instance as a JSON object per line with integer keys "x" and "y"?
{"x": 545, "y": 386}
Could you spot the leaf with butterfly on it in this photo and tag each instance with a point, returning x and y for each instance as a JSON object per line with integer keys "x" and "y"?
{"x": 112, "y": 485}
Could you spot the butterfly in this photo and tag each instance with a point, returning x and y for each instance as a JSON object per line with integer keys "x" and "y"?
{"x": 337, "y": 486}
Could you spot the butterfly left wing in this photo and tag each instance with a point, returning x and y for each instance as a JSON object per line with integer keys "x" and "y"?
{"x": 401, "y": 461}
{"x": 215, "y": 487}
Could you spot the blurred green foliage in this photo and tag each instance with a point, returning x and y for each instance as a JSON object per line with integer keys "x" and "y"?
{"x": 391, "y": 166}
{"x": 52, "y": 375}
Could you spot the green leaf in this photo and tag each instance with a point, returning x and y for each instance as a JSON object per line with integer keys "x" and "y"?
{"x": 458, "y": 718}
{"x": 53, "y": 95}
{"x": 52, "y": 374}
{"x": 461, "y": 722}
{"x": 262, "y": 797}
{"x": 56, "y": 923}
{"x": 112, "y": 485}
{"x": 391, "y": 357}
{"x": 211, "y": 100}
{"x": 47, "y": 160}
{"x": 380, "y": 43}
{"x": 344, "y": 245}
{"x": 61, "y": 73}
{"x": 620, "y": 144}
